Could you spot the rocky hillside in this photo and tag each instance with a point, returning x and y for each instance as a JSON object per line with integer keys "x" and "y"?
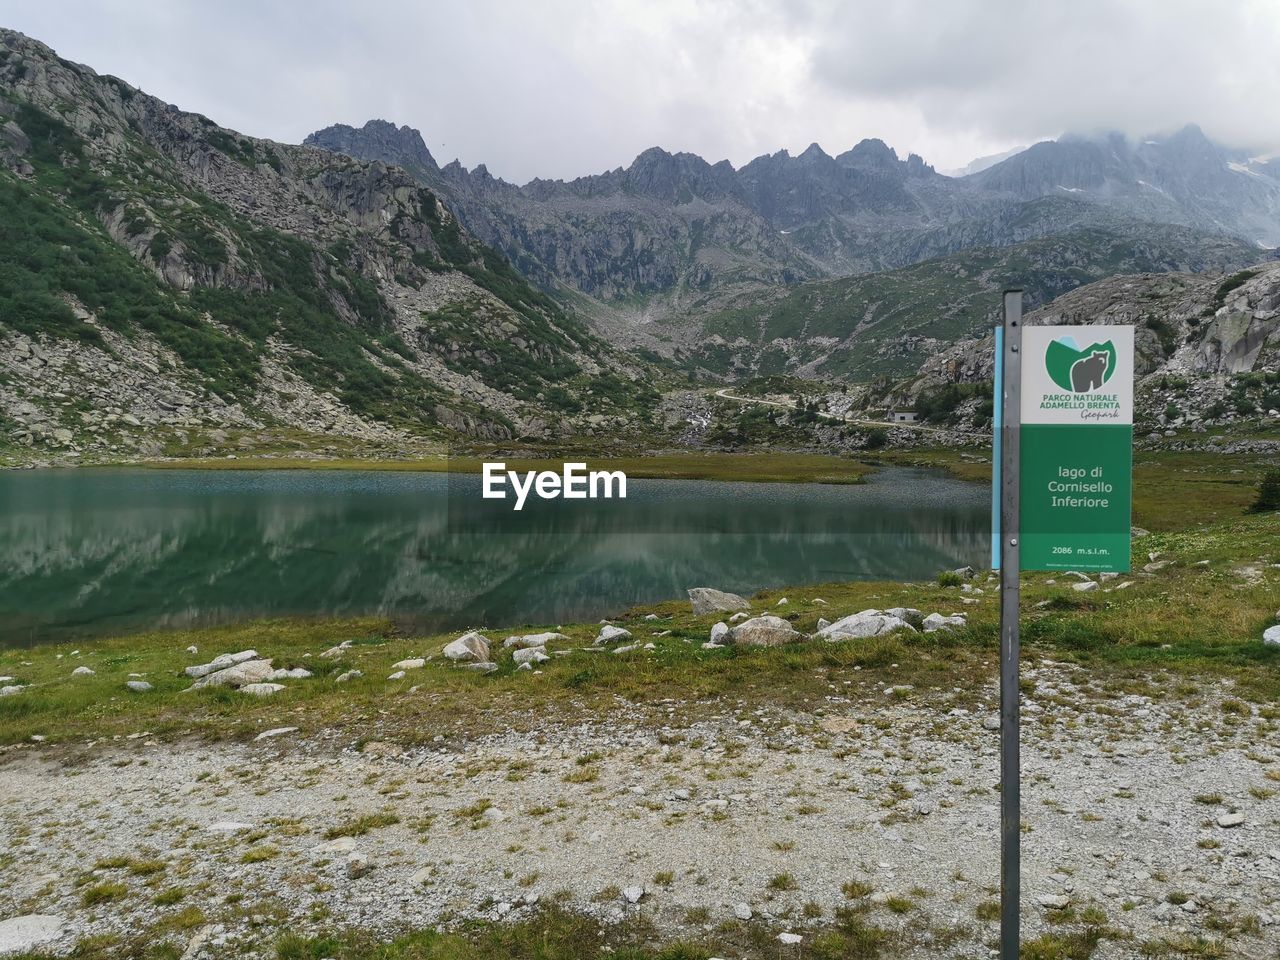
{"x": 1208, "y": 354}
{"x": 674, "y": 236}
{"x": 159, "y": 273}
{"x": 889, "y": 323}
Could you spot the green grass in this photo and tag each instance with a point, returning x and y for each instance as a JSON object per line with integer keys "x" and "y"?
{"x": 361, "y": 825}
{"x": 101, "y": 893}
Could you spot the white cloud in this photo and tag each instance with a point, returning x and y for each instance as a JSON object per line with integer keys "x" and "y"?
{"x": 560, "y": 88}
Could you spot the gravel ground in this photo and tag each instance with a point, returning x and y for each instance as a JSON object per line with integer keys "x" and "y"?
{"x": 1128, "y": 807}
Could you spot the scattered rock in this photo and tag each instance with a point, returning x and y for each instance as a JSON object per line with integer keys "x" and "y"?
{"x": 530, "y": 655}
{"x": 534, "y": 639}
{"x": 864, "y": 624}
{"x": 348, "y": 675}
{"x": 936, "y": 621}
{"x": 484, "y": 666}
{"x": 1054, "y": 901}
{"x": 1229, "y": 820}
{"x": 337, "y": 845}
{"x": 721, "y": 629}
{"x": 416, "y": 663}
{"x": 611, "y": 634}
{"x": 765, "y": 631}
{"x": 139, "y": 686}
{"x": 633, "y": 894}
{"x": 910, "y": 614}
{"x": 334, "y": 652}
{"x": 261, "y": 689}
{"x": 1084, "y": 587}
{"x": 790, "y": 939}
{"x": 357, "y": 865}
{"x": 221, "y": 663}
{"x": 742, "y": 911}
{"x": 707, "y": 600}
{"x": 275, "y": 732}
{"x": 1271, "y": 636}
{"x": 472, "y": 646}
{"x": 242, "y": 674}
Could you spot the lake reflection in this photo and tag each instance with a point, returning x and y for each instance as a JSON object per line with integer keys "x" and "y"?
{"x": 91, "y": 552}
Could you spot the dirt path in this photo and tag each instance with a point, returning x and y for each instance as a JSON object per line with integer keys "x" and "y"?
{"x": 762, "y": 812}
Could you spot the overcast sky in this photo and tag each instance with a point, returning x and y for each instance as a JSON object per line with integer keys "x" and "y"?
{"x": 557, "y": 88}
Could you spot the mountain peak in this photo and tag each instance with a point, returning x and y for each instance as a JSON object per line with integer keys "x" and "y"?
{"x": 377, "y": 140}
{"x": 814, "y": 152}
{"x": 871, "y": 152}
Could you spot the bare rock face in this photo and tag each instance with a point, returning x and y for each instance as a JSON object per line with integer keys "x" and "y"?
{"x": 766, "y": 631}
{"x": 709, "y": 600}
{"x": 471, "y": 647}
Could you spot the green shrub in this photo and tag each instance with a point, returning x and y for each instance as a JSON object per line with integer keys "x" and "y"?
{"x": 1268, "y": 493}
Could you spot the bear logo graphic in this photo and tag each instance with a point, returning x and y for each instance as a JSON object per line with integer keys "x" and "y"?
{"x": 1088, "y": 374}
{"x": 1079, "y": 370}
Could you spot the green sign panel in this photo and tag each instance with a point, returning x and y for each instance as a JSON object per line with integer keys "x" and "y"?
{"x": 1077, "y": 448}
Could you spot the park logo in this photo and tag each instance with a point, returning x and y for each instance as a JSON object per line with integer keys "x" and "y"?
{"x": 1077, "y": 370}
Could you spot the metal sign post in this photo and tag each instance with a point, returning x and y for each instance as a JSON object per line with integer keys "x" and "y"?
{"x": 1009, "y": 401}
{"x": 1072, "y": 416}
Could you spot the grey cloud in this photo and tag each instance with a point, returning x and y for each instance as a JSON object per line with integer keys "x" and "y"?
{"x": 560, "y": 88}
{"x": 1020, "y": 70}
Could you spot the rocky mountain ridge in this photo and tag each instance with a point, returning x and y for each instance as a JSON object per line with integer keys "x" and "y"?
{"x": 673, "y": 235}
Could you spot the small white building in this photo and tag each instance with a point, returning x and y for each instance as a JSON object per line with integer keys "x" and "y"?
{"x": 902, "y": 416}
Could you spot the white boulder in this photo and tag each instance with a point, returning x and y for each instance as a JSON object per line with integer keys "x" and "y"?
{"x": 221, "y": 663}
{"x": 261, "y": 689}
{"x": 765, "y": 631}
{"x": 471, "y": 647}
{"x": 533, "y": 639}
{"x": 708, "y": 600}
{"x": 611, "y": 634}
{"x": 250, "y": 671}
{"x": 530, "y": 655}
{"x": 864, "y": 624}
